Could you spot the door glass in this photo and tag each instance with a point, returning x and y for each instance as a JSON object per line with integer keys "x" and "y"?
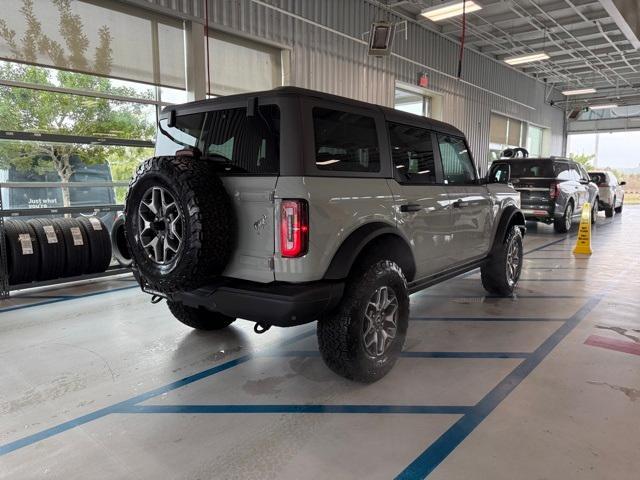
{"x": 412, "y": 153}
{"x": 562, "y": 171}
{"x": 345, "y": 142}
{"x": 456, "y": 162}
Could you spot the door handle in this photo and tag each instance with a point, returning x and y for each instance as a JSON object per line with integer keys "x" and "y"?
{"x": 410, "y": 207}
{"x": 459, "y": 204}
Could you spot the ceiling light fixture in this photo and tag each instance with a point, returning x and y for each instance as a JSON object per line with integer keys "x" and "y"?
{"x": 450, "y": 9}
{"x": 602, "y": 107}
{"x": 579, "y": 91}
{"x": 531, "y": 57}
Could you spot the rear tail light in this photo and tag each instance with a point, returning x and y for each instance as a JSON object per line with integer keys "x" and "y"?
{"x": 554, "y": 191}
{"x": 294, "y": 228}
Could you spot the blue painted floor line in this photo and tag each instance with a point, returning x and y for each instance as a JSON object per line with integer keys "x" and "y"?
{"x": 120, "y": 406}
{"x": 60, "y": 298}
{"x": 230, "y": 409}
{"x": 426, "y": 462}
{"x": 410, "y": 354}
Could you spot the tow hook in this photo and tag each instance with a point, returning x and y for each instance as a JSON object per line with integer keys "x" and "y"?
{"x": 156, "y": 299}
{"x": 261, "y": 328}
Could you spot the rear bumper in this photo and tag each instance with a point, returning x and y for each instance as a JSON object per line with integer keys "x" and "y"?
{"x": 538, "y": 214}
{"x": 277, "y": 304}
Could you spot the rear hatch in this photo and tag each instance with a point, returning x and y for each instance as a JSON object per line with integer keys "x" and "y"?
{"x": 535, "y": 180}
{"x": 245, "y": 152}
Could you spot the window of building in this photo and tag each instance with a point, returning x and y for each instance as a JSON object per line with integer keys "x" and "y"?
{"x": 456, "y": 162}
{"x": 412, "y": 102}
{"x": 237, "y": 65}
{"x": 412, "y": 154}
{"x": 345, "y": 142}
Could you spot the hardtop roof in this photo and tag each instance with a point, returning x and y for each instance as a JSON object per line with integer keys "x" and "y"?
{"x": 303, "y": 92}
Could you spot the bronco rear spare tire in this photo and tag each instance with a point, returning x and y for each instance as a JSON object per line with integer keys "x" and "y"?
{"x": 179, "y": 223}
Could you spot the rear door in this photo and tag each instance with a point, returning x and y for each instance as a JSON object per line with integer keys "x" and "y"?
{"x": 422, "y": 203}
{"x": 471, "y": 203}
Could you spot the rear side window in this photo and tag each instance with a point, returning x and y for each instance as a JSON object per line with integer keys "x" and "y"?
{"x": 598, "y": 178}
{"x": 563, "y": 171}
{"x": 456, "y": 162}
{"x": 237, "y": 144}
{"x": 345, "y": 142}
{"x": 412, "y": 154}
{"x": 188, "y": 132}
{"x": 245, "y": 145}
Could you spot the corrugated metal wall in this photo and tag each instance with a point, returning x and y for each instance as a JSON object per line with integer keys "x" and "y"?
{"x": 328, "y": 54}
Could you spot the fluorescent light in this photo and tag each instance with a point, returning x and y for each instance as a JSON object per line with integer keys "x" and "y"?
{"x": 579, "y": 91}
{"x": 328, "y": 162}
{"x": 602, "y": 107}
{"x": 421, "y": 172}
{"x": 450, "y": 9}
{"x": 532, "y": 57}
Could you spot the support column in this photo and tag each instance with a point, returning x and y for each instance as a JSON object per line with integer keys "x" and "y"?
{"x": 195, "y": 66}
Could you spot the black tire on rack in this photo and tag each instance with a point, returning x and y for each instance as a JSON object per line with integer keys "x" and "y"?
{"x": 52, "y": 248}
{"x": 76, "y": 246}
{"x": 119, "y": 244}
{"x": 23, "y": 252}
{"x": 99, "y": 244}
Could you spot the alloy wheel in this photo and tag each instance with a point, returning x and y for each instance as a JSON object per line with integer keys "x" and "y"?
{"x": 160, "y": 225}
{"x": 381, "y": 321}
{"x": 514, "y": 258}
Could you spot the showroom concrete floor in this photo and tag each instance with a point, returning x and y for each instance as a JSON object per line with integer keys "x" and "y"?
{"x": 98, "y": 383}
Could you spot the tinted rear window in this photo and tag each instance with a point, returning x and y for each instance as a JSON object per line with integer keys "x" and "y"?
{"x": 531, "y": 169}
{"x": 345, "y": 142}
{"x": 236, "y": 143}
{"x": 598, "y": 178}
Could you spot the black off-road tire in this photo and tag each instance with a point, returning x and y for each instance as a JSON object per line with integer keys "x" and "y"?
{"x": 619, "y": 209}
{"x": 208, "y": 228}
{"x": 99, "y": 244}
{"x": 609, "y": 211}
{"x": 23, "y": 266}
{"x": 594, "y": 211}
{"x": 77, "y": 253}
{"x": 52, "y": 250}
{"x": 495, "y": 278}
{"x": 561, "y": 225}
{"x": 199, "y": 318}
{"x": 340, "y": 333}
{"x": 119, "y": 245}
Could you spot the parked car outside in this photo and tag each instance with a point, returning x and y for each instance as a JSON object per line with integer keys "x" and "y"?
{"x": 611, "y": 193}
{"x": 290, "y": 206}
{"x": 552, "y": 190}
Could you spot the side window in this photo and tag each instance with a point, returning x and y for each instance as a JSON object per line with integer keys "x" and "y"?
{"x": 575, "y": 173}
{"x": 584, "y": 176}
{"x": 412, "y": 154}
{"x": 563, "y": 172}
{"x": 456, "y": 162}
{"x": 239, "y": 144}
{"x": 345, "y": 142}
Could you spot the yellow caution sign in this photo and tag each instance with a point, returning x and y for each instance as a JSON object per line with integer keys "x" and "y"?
{"x": 583, "y": 245}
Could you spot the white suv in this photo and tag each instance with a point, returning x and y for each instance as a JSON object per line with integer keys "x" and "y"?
{"x": 611, "y": 193}
{"x": 290, "y": 206}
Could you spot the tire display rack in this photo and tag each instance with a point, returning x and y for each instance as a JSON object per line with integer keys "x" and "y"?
{"x": 5, "y": 288}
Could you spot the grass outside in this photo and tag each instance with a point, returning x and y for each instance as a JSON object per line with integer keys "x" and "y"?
{"x": 632, "y": 198}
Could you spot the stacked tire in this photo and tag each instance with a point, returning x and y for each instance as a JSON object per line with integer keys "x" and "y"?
{"x": 45, "y": 249}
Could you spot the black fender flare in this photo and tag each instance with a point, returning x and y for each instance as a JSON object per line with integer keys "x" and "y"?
{"x": 510, "y": 215}
{"x": 356, "y": 242}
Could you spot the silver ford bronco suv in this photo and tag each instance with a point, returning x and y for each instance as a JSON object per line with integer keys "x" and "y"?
{"x": 291, "y": 206}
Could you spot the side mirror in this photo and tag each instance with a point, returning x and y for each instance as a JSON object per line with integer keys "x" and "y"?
{"x": 623, "y": 183}
{"x": 500, "y": 173}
